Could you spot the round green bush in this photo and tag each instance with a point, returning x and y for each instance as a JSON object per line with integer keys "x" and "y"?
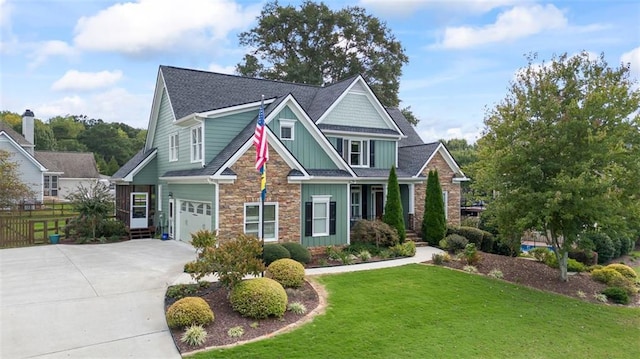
{"x": 188, "y": 311}
{"x": 374, "y": 232}
{"x": 616, "y": 295}
{"x": 606, "y": 275}
{"x": 454, "y": 243}
{"x": 259, "y": 298}
{"x": 625, "y": 270}
{"x": 274, "y": 251}
{"x": 288, "y": 272}
{"x": 603, "y": 245}
{"x": 298, "y": 252}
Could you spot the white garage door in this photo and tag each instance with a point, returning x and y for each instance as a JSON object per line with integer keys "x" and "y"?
{"x": 192, "y": 217}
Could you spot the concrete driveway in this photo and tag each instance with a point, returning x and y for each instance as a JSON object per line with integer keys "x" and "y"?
{"x": 88, "y": 301}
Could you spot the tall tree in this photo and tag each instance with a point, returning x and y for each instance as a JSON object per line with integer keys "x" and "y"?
{"x": 12, "y": 189}
{"x": 434, "y": 223}
{"x": 313, "y": 44}
{"x": 393, "y": 208}
{"x": 562, "y": 151}
{"x": 466, "y": 155}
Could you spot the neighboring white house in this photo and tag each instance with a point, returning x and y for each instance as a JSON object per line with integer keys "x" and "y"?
{"x": 49, "y": 174}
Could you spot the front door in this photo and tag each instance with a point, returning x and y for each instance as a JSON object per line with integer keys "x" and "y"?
{"x": 378, "y": 201}
{"x": 139, "y": 210}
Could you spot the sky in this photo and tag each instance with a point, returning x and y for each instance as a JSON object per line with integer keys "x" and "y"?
{"x": 100, "y": 58}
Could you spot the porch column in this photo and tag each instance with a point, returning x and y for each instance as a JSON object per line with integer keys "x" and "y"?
{"x": 349, "y": 211}
{"x": 412, "y": 198}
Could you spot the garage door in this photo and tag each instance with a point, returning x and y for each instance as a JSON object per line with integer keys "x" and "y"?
{"x": 192, "y": 217}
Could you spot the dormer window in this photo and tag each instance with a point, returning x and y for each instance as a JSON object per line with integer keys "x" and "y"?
{"x": 287, "y": 129}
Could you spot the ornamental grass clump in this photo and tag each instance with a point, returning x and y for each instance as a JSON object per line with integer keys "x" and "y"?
{"x": 259, "y": 298}
{"x": 288, "y": 272}
{"x": 188, "y": 311}
{"x": 195, "y": 335}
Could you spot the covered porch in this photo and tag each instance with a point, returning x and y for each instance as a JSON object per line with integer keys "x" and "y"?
{"x": 367, "y": 201}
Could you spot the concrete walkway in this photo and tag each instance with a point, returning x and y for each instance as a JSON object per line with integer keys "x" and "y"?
{"x": 89, "y": 301}
{"x": 102, "y": 301}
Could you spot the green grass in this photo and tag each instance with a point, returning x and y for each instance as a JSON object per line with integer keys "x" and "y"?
{"x": 418, "y": 311}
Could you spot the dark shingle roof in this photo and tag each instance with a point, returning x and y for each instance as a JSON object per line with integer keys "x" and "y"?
{"x": 411, "y": 159}
{"x": 328, "y": 173}
{"x": 14, "y": 134}
{"x": 132, "y": 163}
{"x": 379, "y": 172}
{"x": 71, "y": 164}
{"x": 326, "y": 96}
{"x": 407, "y": 128}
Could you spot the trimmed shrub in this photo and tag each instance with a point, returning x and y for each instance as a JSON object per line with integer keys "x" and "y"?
{"x": 189, "y": 311}
{"x": 575, "y": 266}
{"x": 487, "y": 241}
{"x": 288, "y": 272}
{"x": 437, "y": 258}
{"x": 298, "y": 252}
{"x": 179, "y": 291}
{"x": 406, "y": 249}
{"x": 625, "y": 270}
{"x": 454, "y": 243}
{"x": 606, "y": 275}
{"x": 617, "y": 245}
{"x": 473, "y": 235}
{"x": 259, "y": 298}
{"x": 393, "y": 207}
{"x": 274, "y": 251}
{"x": 603, "y": 245}
{"x": 377, "y": 233}
{"x": 617, "y": 295}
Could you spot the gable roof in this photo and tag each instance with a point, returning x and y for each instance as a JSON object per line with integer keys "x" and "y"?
{"x": 135, "y": 162}
{"x": 414, "y": 159}
{"x": 6, "y": 128}
{"x": 406, "y": 127}
{"x": 70, "y": 164}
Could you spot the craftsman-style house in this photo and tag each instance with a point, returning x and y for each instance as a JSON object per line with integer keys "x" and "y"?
{"x": 331, "y": 149}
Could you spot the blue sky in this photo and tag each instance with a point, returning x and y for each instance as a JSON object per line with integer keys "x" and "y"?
{"x": 100, "y": 58}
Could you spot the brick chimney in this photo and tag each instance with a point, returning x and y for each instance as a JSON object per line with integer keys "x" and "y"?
{"x": 28, "y": 128}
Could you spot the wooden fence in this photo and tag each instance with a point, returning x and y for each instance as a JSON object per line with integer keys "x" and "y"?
{"x": 22, "y": 232}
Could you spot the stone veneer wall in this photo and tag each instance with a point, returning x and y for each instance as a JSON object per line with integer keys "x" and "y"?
{"x": 247, "y": 189}
{"x": 445, "y": 174}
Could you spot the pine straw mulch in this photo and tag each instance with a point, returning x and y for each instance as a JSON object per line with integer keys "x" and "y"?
{"x": 310, "y": 294}
{"x": 539, "y": 276}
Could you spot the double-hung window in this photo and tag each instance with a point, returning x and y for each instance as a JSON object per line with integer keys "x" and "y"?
{"x": 173, "y": 147}
{"x": 356, "y": 202}
{"x": 356, "y": 152}
{"x": 252, "y": 220}
{"x": 196, "y": 144}
{"x": 320, "y": 216}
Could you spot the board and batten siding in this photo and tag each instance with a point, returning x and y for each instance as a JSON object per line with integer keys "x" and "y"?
{"x": 220, "y": 131}
{"x": 304, "y": 146}
{"x": 192, "y": 192}
{"x": 385, "y": 150}
{"x": 28, "y": 172}
{"x": 355, "y": 110}
{"x": 338, "y": 193}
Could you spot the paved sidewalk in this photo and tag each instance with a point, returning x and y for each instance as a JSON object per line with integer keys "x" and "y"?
{"x": 88, "y": 301}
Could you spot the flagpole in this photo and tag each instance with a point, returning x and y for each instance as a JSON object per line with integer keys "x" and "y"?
{"x": 262, "y": 195}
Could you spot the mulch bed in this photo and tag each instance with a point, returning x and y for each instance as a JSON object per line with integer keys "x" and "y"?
{"x": 539, "y": 276}
{"x": 226, "y": 318}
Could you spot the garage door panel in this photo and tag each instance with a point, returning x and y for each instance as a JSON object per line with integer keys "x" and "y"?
{"x": 193, "y": 216}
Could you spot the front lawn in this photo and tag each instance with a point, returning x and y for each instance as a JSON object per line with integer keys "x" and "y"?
{"x": 419, "y": 311}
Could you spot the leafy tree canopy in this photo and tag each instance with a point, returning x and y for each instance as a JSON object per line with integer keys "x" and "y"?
{"x": 562, "y": 151}
{"x": 313, "y": 44}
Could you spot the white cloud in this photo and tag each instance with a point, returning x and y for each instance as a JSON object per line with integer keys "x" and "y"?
{"x": 115, "y": 105}
{"x": 137, "y": 28}
{"x": 76, "y": 80}
{"x": 518, "y": 22}
{"x": 409, "y": 7}
{"x": 42, "y": 51}
{"x": 230, "y": 70}
{"x": 633, "y": 58}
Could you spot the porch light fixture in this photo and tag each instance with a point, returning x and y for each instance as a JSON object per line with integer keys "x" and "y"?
{"x": 170, "y": 194}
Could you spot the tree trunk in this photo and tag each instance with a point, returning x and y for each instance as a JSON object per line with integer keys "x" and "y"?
{"x": 562, "y": 263}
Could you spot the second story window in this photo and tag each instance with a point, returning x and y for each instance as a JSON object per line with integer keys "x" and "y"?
{"x": 287, "y": 129}
{"x": 196, "y": 144}
{"x": 173, "y": 147}
{"x": 358, "y": 153}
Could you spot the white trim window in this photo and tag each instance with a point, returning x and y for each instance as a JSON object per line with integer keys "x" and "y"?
{"x": 173, "y": 147}
{"x": 356, "y": 152}
{"x": 252, "y": 220}
{"x": 196, "y": 144}
{"x": 356, "y": 202}
{"x": 287, "y": 129}
{"x": 51, "y": 185}
{"x": 320, "y": 215}
{"x": 445, "y": 200}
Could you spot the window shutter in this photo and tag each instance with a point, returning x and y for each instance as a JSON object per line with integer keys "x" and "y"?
{"x": 339, "y": 145}
{"x": 332, "y": 218}
{"x": 372, "y": 156}
{"x": 345, "y": 150}
{"x": 308, "y": 219}
{"x": 365, "y": 202}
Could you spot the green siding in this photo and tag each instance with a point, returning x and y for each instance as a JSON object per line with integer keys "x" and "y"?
{"x": 193, "y": 192}
{"x": 147, "y": 175}
{"x": 304, "y": 146}
{"x": 220, "y": 131}
{"x": 355, "y": 110}
{"x": 385, "y": 154}
{"x": 338, "y": 194}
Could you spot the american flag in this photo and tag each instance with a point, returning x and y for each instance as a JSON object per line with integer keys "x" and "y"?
{"x": 260, "y": 140}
